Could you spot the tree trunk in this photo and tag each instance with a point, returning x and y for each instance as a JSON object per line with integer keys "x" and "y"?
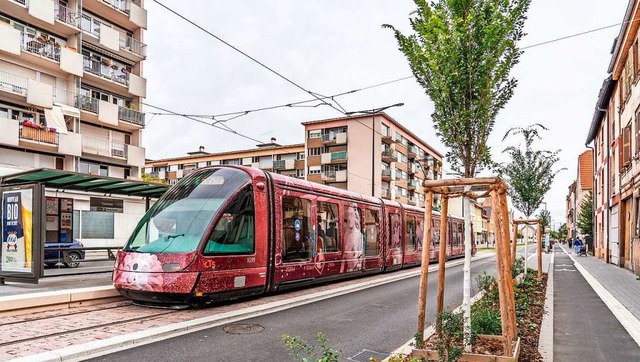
{"x": 466, "y": 292}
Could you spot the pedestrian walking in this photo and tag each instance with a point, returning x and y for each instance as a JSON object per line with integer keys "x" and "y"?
{"x": 577, "y": 244}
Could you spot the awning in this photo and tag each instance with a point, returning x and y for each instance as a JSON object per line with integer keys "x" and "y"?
{"x": 55, "y": 119}
{"x": 68, "y": 110}
{"x": 73, "y": 181}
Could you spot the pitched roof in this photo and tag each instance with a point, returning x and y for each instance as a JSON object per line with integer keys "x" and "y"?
{"x": 585, "y": 170}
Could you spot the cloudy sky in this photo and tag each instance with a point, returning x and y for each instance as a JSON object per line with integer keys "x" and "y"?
{"x": 332, "y": 46}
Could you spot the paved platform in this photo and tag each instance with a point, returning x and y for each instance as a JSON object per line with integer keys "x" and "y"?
{"x": 56, "y": 283}
{"x": 591, "y": 320}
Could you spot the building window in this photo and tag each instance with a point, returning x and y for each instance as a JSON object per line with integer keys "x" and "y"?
{"x": 300, "y": 155}
{"x": 314, "y": 170}
{"x": 317, "y": 151}
{"x": 97, "y": 225}
{"x": 385, "y": 130}
{"x": 300, "y": 173}
{"x": 316, "y": 133}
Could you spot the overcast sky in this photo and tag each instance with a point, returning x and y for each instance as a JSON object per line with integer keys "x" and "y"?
{"x": 332, "y": 46}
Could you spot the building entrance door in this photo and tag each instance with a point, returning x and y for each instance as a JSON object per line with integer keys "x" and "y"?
{"x": 613, "y": 236}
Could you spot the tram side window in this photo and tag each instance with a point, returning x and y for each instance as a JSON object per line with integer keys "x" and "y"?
{"x": 460, "y": 235}
{"x": 234, "y": 232}
{"x": 372, "y": 232}
{"x": 296, "y": 218}
{"x": 328, "y": 235}
{"x": 395, "y": 231}
{"x": 410, "y": 234}
{"x": 435, "y": 234}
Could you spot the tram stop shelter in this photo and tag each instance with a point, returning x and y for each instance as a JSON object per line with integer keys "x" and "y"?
{"x": 25, "y": 209}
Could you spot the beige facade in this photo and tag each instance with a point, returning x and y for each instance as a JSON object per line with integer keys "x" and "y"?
{"x": 71, "y": 85}
{"x": 287, "y": 160}
{"x": 373, "y": 155}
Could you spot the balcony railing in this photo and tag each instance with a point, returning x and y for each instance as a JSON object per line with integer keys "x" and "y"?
{"x": 111, "y": 72}
{"x": 328, "y": 175}
{"x": 66, "y": 15}
{"x": 338, "y": 155}
{"x": 37, "y": 45}
{"x": 64, "y": 96}
{"x": 133, "y": 45}
{"x": 38, "y": 135}
{"x": 13, "y": 83}
{"x": 130, "y": 115}
{"x": 103, "y": 147}
{"x": 386, "y": 173}
{"x": 278, "y": 164}
{"x": 87, "y": 103}
{"x": 122, "y": 5}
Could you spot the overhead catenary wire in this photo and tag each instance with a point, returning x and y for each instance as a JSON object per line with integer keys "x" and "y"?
{"x": 242, "y": 52}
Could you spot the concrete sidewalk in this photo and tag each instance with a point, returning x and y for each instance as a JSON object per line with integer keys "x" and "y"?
{"x": 587, "y": 324}
{"x": 56, "y": 283}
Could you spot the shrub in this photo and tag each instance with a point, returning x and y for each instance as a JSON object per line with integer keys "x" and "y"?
{"x": 518, "y": 267}
{"x": 302, "y": 351}
{"x": 449, "y": 343}
{"x": 486, "y": 321}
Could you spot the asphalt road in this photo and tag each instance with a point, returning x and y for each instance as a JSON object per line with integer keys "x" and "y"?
{"x": 378, "y": 319}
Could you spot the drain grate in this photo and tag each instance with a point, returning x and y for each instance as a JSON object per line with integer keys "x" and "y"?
{"x": 366, "y": 354}
{"x": 243, "y": 328}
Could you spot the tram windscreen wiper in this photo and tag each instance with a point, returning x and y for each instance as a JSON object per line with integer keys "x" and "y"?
{"x": 169, "y": 237}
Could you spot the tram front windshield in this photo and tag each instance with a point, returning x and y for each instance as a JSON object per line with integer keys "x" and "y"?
{"x": 177, "y": 222}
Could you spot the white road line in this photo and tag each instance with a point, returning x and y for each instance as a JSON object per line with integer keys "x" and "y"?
{"x": 626, "y": 318}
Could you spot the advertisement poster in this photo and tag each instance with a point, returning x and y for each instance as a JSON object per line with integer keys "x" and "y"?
{"x": 17, "y": 224}
{"x": 52, "y": 206}
{"x": 65, "y": 221}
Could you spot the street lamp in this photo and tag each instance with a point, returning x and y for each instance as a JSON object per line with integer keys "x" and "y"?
{"x": 373, "y": 112}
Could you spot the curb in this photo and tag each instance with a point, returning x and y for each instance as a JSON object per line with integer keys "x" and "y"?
{"x": 545, "y": 341}
{"x": 131, "y": 340}
{"x": 11, "y": 305}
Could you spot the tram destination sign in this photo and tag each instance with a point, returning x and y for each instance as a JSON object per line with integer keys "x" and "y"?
{"x": 106, "y": 204}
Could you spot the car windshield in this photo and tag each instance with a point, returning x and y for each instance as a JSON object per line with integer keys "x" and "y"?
{"x": 177, "y": 222}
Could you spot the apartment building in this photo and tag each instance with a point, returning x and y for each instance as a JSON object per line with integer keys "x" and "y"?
{"x": 578, "y": 191}
{"x": 615, "y": 133}
{"x": 372, "y": 154}
{"x": 572, "y": 215}
{"x": 287, "y": 160}
{"x": 71, "y": 84}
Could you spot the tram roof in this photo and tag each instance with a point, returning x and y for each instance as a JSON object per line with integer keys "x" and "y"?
{"x": 84, "y": 182}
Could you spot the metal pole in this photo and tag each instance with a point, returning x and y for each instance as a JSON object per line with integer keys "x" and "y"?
{"x": 373, "y": 154}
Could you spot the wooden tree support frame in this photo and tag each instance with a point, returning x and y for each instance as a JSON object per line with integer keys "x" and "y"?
{"x": 474, "y": 188}
{"x": 539, "y": 237}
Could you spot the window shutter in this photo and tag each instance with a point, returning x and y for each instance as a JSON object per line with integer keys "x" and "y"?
{"x": 637, "y": 133}
{"x": 635, "y": 59}
{"x": 626, "y": 146}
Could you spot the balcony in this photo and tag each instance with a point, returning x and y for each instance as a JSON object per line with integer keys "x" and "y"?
{"x": 279, "y": 164}
{"x": 121, "y": 5}
{"x": 338, "y": 156}
{"x": 13, "y": 83}
{"x": 386, "y": 175}
{"x": 334, "y": 176}
{"x": 411, "y": 185}
{"x": 386, "y": 138}
{"x": 412, "y": 151}
{"x": 40, "y": 46}
{"x": 104, "y": 147}
{"x": 124, "y": 13}
{"x": 111, "y": 72}
{"x": 131, "y": 116}
{"x": 66, "y": 15}
{"x": 128, "y": 47}
{"x": 334, "y": 139}
{"x": 389, "y": 156}
{"x": 385, "y": 194}
{"x": 42, "y": 136}
{"x": 87, "y": 103}
{"x": 412, "y": 201}
{"x": 411, "y": 170}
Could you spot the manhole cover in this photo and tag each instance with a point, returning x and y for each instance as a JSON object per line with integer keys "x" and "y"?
{"x": 243, "y": 328}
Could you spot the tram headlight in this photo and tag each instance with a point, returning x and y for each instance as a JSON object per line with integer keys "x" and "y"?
{"x": 171, "y": 267}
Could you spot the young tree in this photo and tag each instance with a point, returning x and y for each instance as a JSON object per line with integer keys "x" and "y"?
{"x": 585, "y": 217}
{"x": 545, "y": 219}
{"x": 461, "y": 52}
{"x": 148, "y": 178}
{"x": 562, "y": 232}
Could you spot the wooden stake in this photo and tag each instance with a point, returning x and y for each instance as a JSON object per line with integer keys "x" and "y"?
{"x": 511, "y": 305}
{"x": 442, "y": 256}
{"x": 424, "y": 276}
{"x": 500, "y": 266}
{"x": 515, "y": 241}
{"x": 539, "y": 251}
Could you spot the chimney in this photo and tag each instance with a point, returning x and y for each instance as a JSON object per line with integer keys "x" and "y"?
{"x": 201, "y": 148}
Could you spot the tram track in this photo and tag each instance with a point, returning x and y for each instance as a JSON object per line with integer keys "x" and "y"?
{"x": 32, "y": 328}
{"x": 55, "y": 313}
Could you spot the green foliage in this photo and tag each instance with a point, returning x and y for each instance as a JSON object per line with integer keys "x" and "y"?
{"x": 303, "y": 351}
{"x": 148, "y": 178}
{"x": 530, "y": 172}
{"x": 487, "y": 282}
{"x": 418, "y": 340}
{"x": 518, "y": 267}
{"x": 585, "y": 218}
{"x": 554, "y": 234}
{"x": 449, "y": 343}
{"x": 461, "y": 52}
{"x": 519, "y": 235}
{"x": 486, "y": 321}
{"x": 563, "y": 232}
{"x": 545, "y": 219}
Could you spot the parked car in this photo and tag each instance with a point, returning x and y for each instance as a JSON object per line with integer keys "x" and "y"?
{"x": 53, "y": 257}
